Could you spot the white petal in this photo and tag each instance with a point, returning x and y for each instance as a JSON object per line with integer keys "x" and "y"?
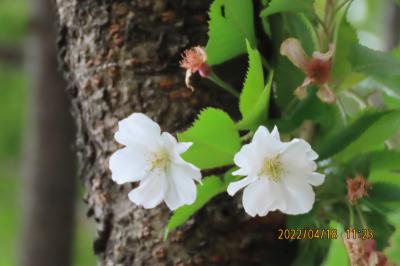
{"x": 275, "y": 134}
{"x": 238, "y": 185}
{"x": 138, "y": 129}
{"x": 174, "y": 148}
{"x": 240, "y": 171}
{"x": 299, "y": 196}
{"x": 246, "y": 159}
{"x": 151, "y": 190}
{"x": 316, "y": 179}
{"x": 258, "y": 197}
{"x": 295, "y": 158}
{"x": 312, "y": 155}
{"x": 183, "y": 146}
{"x": 181, "y": 185}
{"x": 260, "y": 134}
{"x": 265, "y": 144}
{"x": 128, "y": 165}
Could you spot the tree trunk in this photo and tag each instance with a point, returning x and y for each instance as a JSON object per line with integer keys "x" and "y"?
{"x": 122, "y": 57}
{"x": 393, "y": 25}
{"x": 49, "y": 175}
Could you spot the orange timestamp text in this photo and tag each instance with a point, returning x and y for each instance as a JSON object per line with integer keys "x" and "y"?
{"x": 307, "y": 233}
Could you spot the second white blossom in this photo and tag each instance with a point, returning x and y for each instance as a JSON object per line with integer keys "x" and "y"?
{"x": 279, "y": 175}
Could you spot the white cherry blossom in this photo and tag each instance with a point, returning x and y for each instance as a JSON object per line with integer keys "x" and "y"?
{"x": 153, "y": 159}
{"x": 278, "y": 175}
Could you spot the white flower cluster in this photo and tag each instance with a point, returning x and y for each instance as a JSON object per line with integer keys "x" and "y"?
{"x": 278, "y": 175}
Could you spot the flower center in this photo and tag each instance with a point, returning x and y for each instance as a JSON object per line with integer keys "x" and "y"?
{"x": 319, "y": 71}
{"x": 159, "y": 160}
{"x": 273, "y": 168}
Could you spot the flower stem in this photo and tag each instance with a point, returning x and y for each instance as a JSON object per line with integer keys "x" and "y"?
{"x": 225, "y": 86}
{"x": 351, "y": 214}
{"x": 341, "y": 5}
{"x": 265, "y": 63}
{"x": 361, "y": 216}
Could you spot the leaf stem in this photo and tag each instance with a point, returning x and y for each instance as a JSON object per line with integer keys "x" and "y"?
{"x": 247, "y": 136}
{"x": 225, "y": 86}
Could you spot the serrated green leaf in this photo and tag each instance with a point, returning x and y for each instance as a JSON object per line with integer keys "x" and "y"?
{"x": 259, "y": 113}
{"x": 231, "y": 23}
{"x": 342, "y": 139}
{"x": 279, "y": 6}
{"x": 210, "y": 187}
{"x": 381, "y": 66}
{"x": 254, "y": 82}
{"x": 374, "y": 136}
{"x": 215, "y": 139}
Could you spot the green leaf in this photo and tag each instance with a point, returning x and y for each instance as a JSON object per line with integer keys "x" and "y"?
{"x": 381, "y": 66}
{"x": 231, "y": 23}
{"x": 259, "y": 113}
{"x": 345, "y": 37}
{"x": 374, "y": 136}
{"x": 393, "y": 251}
{"x": 385, "y": 160}
{"x": 345, "y": 139}
{"x": 337, "y": 254}
{"x": 215, "y": 139}
{"x": 301, "y": 28}
{"x": 385, "y": 167}
{"x": 279, "y": 6}
{"x": 254, "y": 99}
{"x": 384, "y": 192}
{"x": 210, "y": 187}
{"x": 254, "y": 83}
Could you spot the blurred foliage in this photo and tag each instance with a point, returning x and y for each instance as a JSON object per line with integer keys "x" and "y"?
{"x": 13, "y": 94}
{"x": 12, "y": 109}
{"x": 13, "y": 20}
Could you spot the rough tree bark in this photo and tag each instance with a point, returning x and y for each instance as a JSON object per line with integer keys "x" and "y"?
{"x": 49, "y": 175}
{"x": 121, "y": 57}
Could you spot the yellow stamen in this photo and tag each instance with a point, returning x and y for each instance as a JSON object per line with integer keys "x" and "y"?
{"x": 273, "y": 168}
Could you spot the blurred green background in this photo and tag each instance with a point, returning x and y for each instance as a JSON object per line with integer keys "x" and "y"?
{"x": 366, "y": 15}
{"x": 13, "y": 94}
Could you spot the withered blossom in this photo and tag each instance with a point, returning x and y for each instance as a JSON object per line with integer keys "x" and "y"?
{"x": 194, "y": 60}
{"x": 357, "y": 188}
{"x": 317, "y": 68}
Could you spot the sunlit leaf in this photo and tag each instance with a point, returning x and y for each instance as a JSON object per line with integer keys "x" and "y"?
{"x": 279, "y": 6}
{"x": 215, "y": 139}
{"x": 231, "y": 23}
